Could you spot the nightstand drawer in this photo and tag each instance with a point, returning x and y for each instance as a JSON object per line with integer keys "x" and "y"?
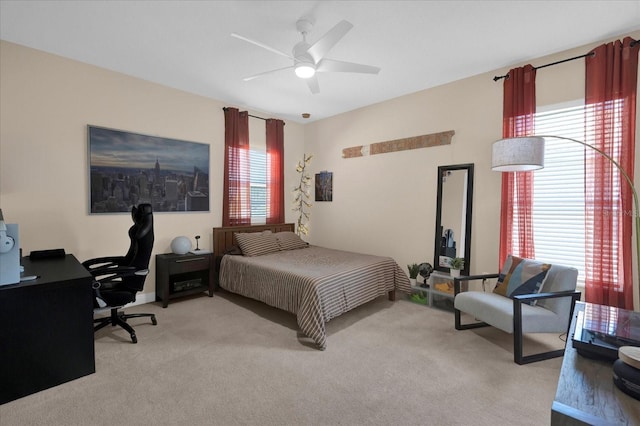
{"x": 189, "y": 264}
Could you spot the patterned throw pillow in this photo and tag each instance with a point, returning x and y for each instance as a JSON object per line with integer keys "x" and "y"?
{"x": 257, "y": 243}
{"x": 288, "y": 240}
{"x": 521, "y": 276}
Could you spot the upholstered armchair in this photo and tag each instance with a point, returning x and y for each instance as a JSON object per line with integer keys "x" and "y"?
{"x": 530, "y": 297}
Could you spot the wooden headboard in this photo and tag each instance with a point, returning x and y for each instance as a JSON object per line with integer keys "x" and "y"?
{"x": 223, "y": 236}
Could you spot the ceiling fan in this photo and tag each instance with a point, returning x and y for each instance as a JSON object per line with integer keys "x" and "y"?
{"x": 309, "y": 59}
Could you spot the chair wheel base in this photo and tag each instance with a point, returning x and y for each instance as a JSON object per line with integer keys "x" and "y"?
{"x": 120, "y": 319}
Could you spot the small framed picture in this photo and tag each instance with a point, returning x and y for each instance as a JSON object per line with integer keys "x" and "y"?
{"x": 324, "y": 186}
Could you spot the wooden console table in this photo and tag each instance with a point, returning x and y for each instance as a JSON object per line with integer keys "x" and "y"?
{"x": 586, "y": 393}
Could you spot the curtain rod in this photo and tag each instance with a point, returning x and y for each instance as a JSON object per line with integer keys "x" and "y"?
{"x": 254, "y": 116}
{"x": 498, "y": 77}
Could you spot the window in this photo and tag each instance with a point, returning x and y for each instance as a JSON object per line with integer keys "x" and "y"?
{"x": 258, "y": 179}
{"x": 559, "y": 218}
{"x": 558, "y": 202}
{"x": 254, "y": 174}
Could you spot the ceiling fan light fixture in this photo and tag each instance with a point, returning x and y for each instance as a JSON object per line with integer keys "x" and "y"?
{"x": 309, "y": 59}
{"x": 305, "y": 70}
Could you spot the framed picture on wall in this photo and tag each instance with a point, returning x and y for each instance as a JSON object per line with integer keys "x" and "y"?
{"x": 127, "y": 169}
{"x": 324, "y": 186}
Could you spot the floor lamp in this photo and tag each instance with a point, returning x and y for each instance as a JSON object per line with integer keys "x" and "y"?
{"x": 527, "y": 153}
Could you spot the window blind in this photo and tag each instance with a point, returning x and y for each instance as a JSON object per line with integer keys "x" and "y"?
{"x": 258, "y": 177}
{"x": 558, "y": 203}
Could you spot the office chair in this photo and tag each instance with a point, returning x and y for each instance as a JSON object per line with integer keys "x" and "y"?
{"x": 117, "y": 279}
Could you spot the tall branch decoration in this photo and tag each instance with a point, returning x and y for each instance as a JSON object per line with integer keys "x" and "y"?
{"x": 302, "y": 196}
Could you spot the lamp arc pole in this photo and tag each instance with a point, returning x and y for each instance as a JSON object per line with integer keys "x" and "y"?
{"x": 636, "y": 213}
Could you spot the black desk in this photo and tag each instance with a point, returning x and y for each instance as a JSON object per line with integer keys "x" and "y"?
{"x": 46, "y": 328}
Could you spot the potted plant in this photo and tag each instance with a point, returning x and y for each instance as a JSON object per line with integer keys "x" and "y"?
{"x": 413, "y": 272}
{"x": 419, "y": 297}
{"x": 455, "y": 265}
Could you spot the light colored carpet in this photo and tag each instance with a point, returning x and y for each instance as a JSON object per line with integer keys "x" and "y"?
{"x": 227, "y": 360}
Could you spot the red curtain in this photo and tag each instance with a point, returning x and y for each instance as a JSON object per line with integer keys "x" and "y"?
{"x": 519, "y": 107}
{"x": 610, "y": 98}
{"x": 275, "y": 171}
{"x": 236, "y": 203}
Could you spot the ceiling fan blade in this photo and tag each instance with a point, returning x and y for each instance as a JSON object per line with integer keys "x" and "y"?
{"x": 312, "y": 82}
{"x": 321, "y": 47}
{"x": 251, "y": 77}
{"x": 264, "y": 46}
{"x": 331, "y": 65}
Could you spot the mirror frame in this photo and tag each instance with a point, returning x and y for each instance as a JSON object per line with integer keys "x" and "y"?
{"x": 467, "y": 234}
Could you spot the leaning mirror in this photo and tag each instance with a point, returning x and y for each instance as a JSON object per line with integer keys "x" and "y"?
{"x": 453, "y": 216}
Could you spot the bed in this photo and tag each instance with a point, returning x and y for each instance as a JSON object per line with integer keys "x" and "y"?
{"x": 316, "y": 284}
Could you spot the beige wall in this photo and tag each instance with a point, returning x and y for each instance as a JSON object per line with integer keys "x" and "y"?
{"x": 385, "y": 204}
{"x": 382, "y": 204}
{"x": 46, "y": 104}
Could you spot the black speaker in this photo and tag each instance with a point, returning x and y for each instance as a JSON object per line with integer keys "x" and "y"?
{"x": 627, "y": 378}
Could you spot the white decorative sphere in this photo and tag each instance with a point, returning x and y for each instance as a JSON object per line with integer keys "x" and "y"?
{"x": 181, "y": 245}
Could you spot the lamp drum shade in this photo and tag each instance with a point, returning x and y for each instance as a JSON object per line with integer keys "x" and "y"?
{"x": 518, "y": 154}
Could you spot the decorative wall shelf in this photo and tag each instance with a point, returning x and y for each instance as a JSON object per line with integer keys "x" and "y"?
{"x": 414, "y": 142}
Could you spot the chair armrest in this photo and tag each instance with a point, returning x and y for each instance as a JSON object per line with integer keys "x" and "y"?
{"x": 539, "y": 296}
{"x": 117, "y": 272}
{"x": 112, "y": 277}
{"x": 457, "y": 280}
{"x": 111, "y": 260}
{"x": 524, "y": 298}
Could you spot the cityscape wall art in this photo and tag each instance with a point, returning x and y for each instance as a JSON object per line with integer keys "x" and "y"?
{"x": 126, "y": 169}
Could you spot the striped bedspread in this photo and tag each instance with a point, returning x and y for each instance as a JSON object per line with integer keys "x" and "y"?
{"x": 315, "y": 283}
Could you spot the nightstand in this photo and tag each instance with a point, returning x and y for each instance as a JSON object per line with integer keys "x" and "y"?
{"x": 179, "y": 275}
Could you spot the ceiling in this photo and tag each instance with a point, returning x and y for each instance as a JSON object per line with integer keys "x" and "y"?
{"x": 417, "y": 44}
